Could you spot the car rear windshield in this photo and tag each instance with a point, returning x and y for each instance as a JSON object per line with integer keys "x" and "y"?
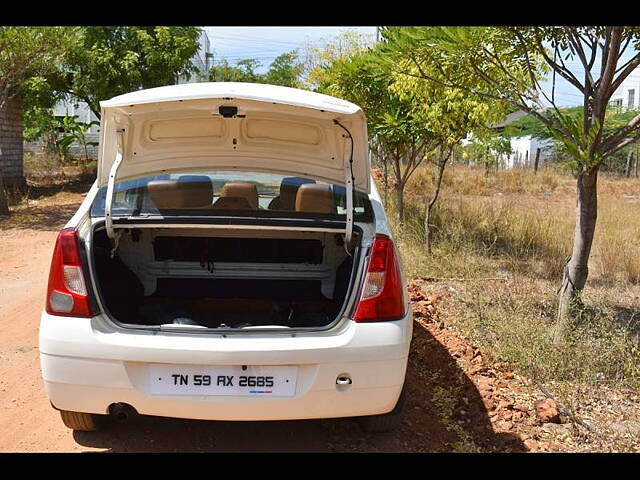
{"x": 230, "y": 193}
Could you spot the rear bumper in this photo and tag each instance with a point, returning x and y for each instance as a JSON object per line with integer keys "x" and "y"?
{"x": 87, "y": 366}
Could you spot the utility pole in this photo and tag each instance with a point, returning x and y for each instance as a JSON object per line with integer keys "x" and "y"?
{"x": 627, "y": 170}
{"x": 209, "y": 63}
{"x": 535, "y": 165}
{"x": 377, "y": 34}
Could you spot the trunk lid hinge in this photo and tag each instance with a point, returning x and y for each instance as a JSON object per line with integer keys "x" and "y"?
{"x": 348, "y": 164}
{"x": 349, "y": 201}
{"x": 108, "y": 203}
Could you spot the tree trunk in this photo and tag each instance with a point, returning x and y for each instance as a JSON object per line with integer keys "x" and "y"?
{"x": 4, "y": 204}
{"x": 427, "y": 220}
{"x": 576, "y": 270}
{"x": 535, "y": 164}
{"x": 399, "y": 201}
{"x": 627, "y": 170}
{"x": 386, "y": 180}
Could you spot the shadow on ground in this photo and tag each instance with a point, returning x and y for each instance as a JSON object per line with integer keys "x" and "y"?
{"x": 444, "y": 412}
{"x": 49, "y": 217}
{"x": 46, "y": 207}
{"x": 42, "y": 191}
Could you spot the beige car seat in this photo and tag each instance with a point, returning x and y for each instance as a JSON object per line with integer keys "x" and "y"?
{"x": 188, "y": 191}
{"x": 315, "y": 198}
{"x": 238, "y": 195}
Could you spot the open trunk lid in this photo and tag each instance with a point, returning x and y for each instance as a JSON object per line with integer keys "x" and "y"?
{"x": 240, "y": 126}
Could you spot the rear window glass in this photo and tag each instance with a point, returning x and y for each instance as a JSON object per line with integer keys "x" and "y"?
{"x": 230, "y": 193}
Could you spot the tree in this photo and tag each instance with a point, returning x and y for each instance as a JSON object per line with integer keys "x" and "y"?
{"x": 394, "y": 121}
{"x": 27, "y": 53}
{"x": 110, "y": 61}
{"x": 319, "y": 56}
{"x": 249, "y": 66}
{"x": 408, "y": 121}
{"x": 486, "y": 147}
{"x": 508, "y": 64}
{"x": 614, "y": 119}
{"x": 223, "y": 72}
{"x": 284, "y": 70}
{"x": 448, "y": 114}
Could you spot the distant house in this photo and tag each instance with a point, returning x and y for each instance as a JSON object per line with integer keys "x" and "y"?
{"x": 627, "y": 95}
{"x": 84, "y": 114}
{"x": 524, "y": 149}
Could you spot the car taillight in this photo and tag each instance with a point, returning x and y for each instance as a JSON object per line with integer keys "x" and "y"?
{"x": 382, "y": 298}
{"x": 67, "y": 292}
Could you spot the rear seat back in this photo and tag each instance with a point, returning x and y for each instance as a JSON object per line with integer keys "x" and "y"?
{"x": 315, "y": 198}
{"x": 239, "y": 190}
{"x": 188, "y": 191}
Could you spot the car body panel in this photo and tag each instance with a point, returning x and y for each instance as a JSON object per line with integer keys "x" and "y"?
{"x": 86, "y": 369}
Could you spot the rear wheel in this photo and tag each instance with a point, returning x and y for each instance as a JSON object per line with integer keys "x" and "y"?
{"x": 388, "y": 421}
{"x": 85, "y": 422}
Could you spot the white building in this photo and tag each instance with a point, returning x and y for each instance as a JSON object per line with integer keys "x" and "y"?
{"x": 524, "y": 151}
{"x": 627, "y": 96}
{"x": 201, "y": 58}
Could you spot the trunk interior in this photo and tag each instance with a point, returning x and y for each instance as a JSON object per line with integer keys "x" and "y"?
{"x": 219, "y": 278}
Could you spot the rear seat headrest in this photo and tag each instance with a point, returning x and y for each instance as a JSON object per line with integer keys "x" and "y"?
{"x": 289, "y": 189}
{"x": 315, "y": 198}
{"x": 188, "y": 191}
{"x": 245, "y": 190}
{"x": 232, "y": 203}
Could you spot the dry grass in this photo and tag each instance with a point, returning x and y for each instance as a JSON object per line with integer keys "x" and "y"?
{"x": 472, "y": 181}
{"x": 47, "y": 171}
{"x": 517, "y": 214}
{"x": 50, "y": 197}
{"x": 617, "y": 243}
{"x": 518, "y": 225}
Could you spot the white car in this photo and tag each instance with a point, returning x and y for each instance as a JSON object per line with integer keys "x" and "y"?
{"x": 232, "y": 261}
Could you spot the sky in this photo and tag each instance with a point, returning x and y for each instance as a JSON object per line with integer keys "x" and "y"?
{"x": 567, "y": 94}
{"x": 266, "y": 43}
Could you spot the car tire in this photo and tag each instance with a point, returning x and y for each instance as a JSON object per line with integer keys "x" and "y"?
{"x": 84, "y": 422}
{"x": 388, "y": 421}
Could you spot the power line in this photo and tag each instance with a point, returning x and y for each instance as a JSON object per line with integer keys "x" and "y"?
{"x": 253, "y": 40}
{"x": 239, "y": 59}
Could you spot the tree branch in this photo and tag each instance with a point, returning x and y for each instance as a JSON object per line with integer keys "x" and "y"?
{"x": 575, "y": 41}
{"x": 562, "y": 70}
{"x": 610, "y": 144}
{"x": 629, "y": 67}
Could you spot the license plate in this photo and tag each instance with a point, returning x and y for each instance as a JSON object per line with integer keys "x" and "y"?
{"x": 245, "y": 380}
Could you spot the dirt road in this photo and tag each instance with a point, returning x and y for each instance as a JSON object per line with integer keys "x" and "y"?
{"x": 451, "y": 392}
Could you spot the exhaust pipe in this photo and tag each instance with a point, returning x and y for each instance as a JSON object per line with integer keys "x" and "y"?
{"x": 122, "y": 412}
